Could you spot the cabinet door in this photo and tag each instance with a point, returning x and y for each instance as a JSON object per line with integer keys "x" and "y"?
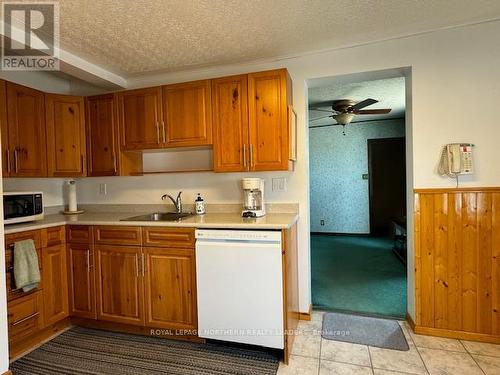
{"x": 102, "y": 136}
{"x": 120, "y": 284}
{"x": 26, "y": 123}
{"x": 82, "y": 301}
{"x": 65, "y": 118}
{"x": 55, "y": 284}
{"x": 268, "y": 97}
{"x": 6, "y": 153}
{"x": 170, "y": 284}
{"x": 187, "y": 112}
{"x": 139, "y": 115}
{"x": 230, "y": 124}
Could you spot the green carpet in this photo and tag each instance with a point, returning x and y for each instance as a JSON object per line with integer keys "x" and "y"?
{"x": 357, "y": 274}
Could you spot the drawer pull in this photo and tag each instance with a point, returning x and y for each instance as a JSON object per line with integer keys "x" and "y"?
{"x": 25, "y": 319}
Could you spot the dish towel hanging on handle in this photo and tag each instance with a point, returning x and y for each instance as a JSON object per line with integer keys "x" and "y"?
{"x": 26, "y": 270}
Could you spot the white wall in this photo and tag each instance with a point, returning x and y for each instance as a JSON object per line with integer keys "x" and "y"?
{"x": 52, "y": 188}
{"x": 455, "y": 79}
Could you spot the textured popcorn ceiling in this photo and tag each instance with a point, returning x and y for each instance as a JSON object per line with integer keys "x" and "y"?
{"x": 389, "y": 92}
{"x": 130, "y": 37}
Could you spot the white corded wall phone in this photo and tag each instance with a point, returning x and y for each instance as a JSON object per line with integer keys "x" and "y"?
{"x": 456, "y": 159}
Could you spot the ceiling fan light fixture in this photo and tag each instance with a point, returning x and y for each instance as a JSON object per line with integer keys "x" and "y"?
{"x": 344, "y": 118}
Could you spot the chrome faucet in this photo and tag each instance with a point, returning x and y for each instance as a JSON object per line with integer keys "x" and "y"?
{"x": 177, "y": 201}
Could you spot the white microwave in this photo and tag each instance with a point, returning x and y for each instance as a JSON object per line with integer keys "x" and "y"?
{"x": 20, "y": 207}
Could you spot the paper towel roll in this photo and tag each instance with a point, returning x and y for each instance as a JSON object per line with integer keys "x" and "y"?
{"x": 72, "y": 206}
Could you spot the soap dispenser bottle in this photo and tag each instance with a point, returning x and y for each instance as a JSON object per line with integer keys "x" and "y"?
{"x": 199, "y": 204}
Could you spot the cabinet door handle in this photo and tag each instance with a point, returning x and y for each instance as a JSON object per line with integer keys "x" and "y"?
{"x": 8, "y": 160}
{"x": 143, "y": 264}
{"x": 163, "y": 131}
{"x": 25, "y": 319}
{"x": 136, "y": 265}
{"x": 251, "y": 155}
{"x": 245, "y": 156}
{"x": 115, "y": 165}
{"x": 157, "y": 132}
{"x": 16, "y": 162}
{"x": 88, "y": 261}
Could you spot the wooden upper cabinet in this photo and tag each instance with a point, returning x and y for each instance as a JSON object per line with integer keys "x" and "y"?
{"x": 6, "y": 165}
{"x": 65, "y": 116}
{"x": 102, "y": 136}
{"x": 269, "y": 94}
{"x": 26, "y": 131}
{"x": 187, "y": 111}
{"x": 140, "y": 116}
{"x": 230, "y": 124}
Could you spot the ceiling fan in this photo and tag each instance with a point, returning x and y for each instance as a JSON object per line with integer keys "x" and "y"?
{"x": 343, "y": 111}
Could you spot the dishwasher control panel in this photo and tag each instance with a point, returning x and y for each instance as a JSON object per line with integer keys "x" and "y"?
{"x": 237, "y": 235}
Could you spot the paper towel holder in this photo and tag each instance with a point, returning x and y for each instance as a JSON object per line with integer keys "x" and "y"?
{"x": 72, "y": 207}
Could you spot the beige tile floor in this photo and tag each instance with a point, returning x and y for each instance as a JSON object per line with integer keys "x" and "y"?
{"x": 312, "y": 354}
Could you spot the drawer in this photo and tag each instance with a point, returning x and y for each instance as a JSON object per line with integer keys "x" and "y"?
{"x": 168, "y": 237}
{"x": 9, "y": 258}
{"x": 34, "y": 235}
{"x": 53, "y": 236}
{"x": 79, "y": 234}
{"x": 24, "y": 316}
{"x": 117, "y": 235}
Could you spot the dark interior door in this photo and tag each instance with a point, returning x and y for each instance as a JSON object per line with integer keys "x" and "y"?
{"x": 387, "y": 181}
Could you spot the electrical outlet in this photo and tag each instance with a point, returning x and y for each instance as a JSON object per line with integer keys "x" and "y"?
{"x": 103, "y": 189}
{"x": 279, "y": 184}
{"x": 322, "y": 222}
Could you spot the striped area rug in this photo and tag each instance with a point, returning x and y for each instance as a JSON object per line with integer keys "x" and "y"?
{"x": 88, "y": 351}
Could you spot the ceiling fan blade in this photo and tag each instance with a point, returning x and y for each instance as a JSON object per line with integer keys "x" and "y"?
{"x": 321, "y": 110}
{"x": 373, "y": 111}
{"x": 362, "y": 104}
{"x": 327, "y": 103}
{"x": 319, "y": 118}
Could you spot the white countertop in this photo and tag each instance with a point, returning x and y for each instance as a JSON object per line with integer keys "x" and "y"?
{"x": 276, "y": 221}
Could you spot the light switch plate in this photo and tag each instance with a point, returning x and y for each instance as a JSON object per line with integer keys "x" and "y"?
{"x": 279, "y": 184}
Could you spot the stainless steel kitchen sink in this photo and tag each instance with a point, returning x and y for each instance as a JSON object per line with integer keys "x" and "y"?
{"x": 160, "y": 216}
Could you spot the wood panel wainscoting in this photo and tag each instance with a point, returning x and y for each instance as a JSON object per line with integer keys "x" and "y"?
{"x": 457, "y": 263}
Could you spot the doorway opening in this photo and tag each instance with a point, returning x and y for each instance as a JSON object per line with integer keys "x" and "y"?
{"x": 357, "y": 159}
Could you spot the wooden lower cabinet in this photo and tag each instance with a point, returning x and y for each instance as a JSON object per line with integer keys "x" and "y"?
{"x": 81, "y": 280}
{"x": 170, "y": 284}
{"x": 55, "y": 291}
{"x": 120, "y": 284}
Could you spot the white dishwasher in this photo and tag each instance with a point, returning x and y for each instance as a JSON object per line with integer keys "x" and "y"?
{"x": 239, "y": 281}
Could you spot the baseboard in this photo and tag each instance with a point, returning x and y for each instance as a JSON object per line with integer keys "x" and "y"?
{"x": 137, "y": 330}
{"x": 462, "y": 335}
{"x": 341, "y": 234}
{"x": 27, "y": 345}
{"x": 306, "y": 315}
{"x": 410, "y": 322}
